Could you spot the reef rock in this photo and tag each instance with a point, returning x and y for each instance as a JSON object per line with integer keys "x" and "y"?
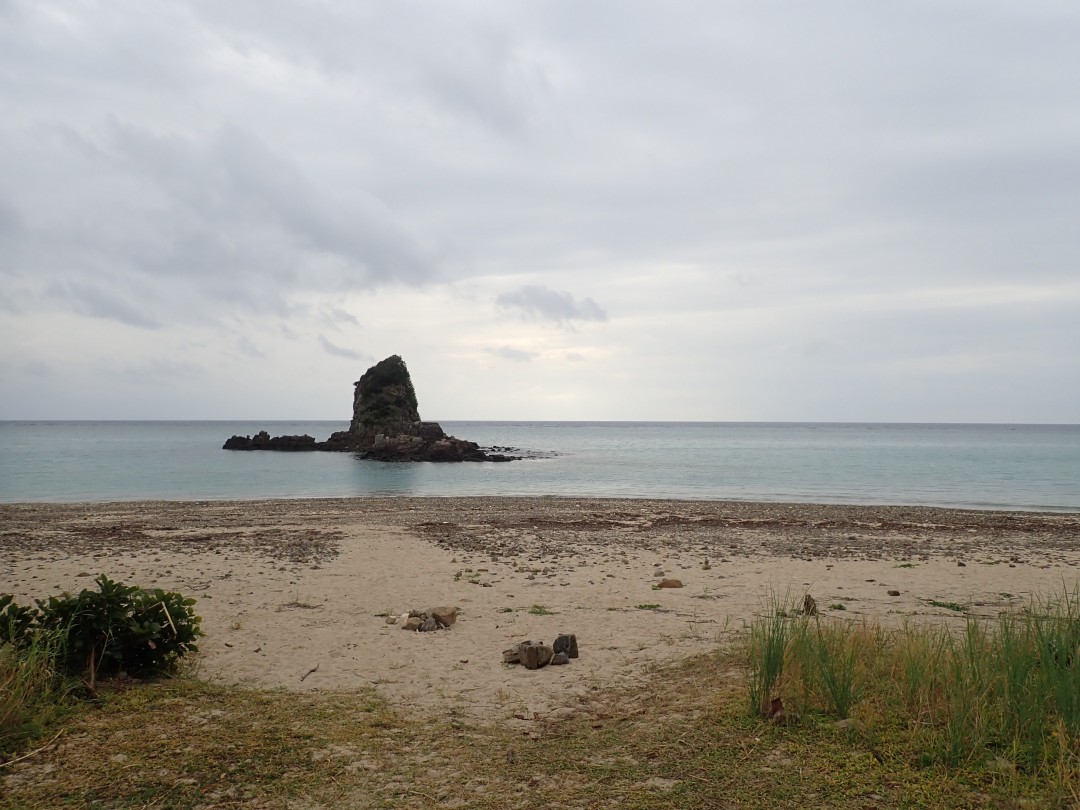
{"x": 264, "y": 441}
{"x": 385, "y": 426}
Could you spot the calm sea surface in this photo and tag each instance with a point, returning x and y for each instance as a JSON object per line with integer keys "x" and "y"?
{"x": 983, "y": 466}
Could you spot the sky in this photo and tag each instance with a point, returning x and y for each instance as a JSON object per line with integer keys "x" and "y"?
{"x": 613, "y": 210}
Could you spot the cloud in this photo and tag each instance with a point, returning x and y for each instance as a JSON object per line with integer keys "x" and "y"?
{"x": 769, "y": 193}
{"x": 11, "y": 229}
{"x": 338, "y": 351}
{"x": 248, "y": 348}
{"x": 538, "y": 302}
{"x": 512, "y": 354}
{"x": 96, "y": 302}
{"x": 196, "y": 226}
{"x": 234, "y": 179}
{"x": 335, "y": 315}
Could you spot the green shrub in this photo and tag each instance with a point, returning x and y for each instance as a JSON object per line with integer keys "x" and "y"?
{"x": 112, "y": 629}
{"x": 15, "y": 620}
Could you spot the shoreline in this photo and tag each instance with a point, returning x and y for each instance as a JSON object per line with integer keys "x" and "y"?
{"x": 284, "y": 585}
{"x": 746, "y": 502}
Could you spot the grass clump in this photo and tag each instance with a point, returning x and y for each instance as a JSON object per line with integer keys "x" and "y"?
{"x": 540, "y": 610}
{"x": 770, "y": 638}
{"x": 33, "y": 694}
{"x": 998, "y": 695}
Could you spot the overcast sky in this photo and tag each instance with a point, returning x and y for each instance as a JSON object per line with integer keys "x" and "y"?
{"x": 835, "y": 211}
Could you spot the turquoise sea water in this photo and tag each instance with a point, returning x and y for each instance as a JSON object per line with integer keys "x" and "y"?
{"x": 982, "y": 466}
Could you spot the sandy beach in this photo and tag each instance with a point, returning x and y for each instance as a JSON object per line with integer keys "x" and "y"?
{"x": 295, "y": 593}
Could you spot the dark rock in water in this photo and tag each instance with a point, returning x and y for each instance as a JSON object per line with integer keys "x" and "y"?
{"x": 386, "y": 423}
{"x": 263, "y": 441}
{"x": 385, "y": 426}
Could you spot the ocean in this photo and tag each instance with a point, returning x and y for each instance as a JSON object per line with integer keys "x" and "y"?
{"x": 1024, "y": 467}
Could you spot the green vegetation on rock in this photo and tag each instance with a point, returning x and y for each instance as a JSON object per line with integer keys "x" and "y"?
{"x": 385, "y": 393}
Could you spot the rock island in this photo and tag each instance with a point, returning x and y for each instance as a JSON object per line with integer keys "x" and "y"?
{"x": 386, "y": 426}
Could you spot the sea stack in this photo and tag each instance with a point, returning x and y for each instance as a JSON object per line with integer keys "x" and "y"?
{"x": 385, "y": 426}
{"x": 386, "y": 422}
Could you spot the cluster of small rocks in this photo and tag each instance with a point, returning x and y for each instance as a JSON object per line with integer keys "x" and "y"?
{"x": 424, "y": 621}
{"x": 536, "y": 654}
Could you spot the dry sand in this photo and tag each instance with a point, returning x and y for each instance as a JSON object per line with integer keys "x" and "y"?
{"x": 287, "y": 586}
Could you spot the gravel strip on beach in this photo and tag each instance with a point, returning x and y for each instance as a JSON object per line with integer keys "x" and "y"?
{"x": 308, "y": 531}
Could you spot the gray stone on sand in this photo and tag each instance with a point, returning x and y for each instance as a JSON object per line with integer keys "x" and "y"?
{"x": 567, "y": 643}
{"x": 535, "y": 656}
{"x": 532, "y": 654}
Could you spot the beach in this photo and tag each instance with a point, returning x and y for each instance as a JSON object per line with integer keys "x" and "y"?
{"x": 297, "y": 594}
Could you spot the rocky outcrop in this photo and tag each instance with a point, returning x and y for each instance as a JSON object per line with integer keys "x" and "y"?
{"x": 264, "y": 441}
{"x": 385, "y": 426}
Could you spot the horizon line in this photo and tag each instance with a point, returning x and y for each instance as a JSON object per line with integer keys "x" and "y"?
{"x": 580, "y": 421}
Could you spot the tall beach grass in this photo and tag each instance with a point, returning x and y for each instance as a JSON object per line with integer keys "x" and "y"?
{"x": 33, "y": 694}
{"x": 1001, "y": 693}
